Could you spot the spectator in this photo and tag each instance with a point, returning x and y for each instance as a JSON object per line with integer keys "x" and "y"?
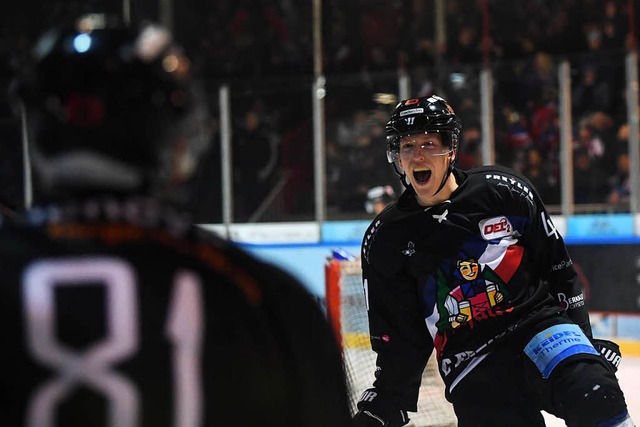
{"x": 589, "y": 142}
{"x": 614, "y": 27}
{"x": 539, "y": 174}
{"x": 592, "y": 93}
{"x": 254, "y": 159}
{"x": 620, "y": 185}
{"x": 588, "y": 180}
{"x": 338, "y": 185}
{"x": 465, "y": 47}
{"x": 540, "y": 81}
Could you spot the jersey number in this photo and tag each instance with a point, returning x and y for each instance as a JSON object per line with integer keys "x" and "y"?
{"x": 92, "y": 367}
{"x": 549, "y": 228}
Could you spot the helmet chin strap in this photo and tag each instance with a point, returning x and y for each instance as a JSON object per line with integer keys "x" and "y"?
{"x": 402, "y": 175}
{"x": 446, "y": 175}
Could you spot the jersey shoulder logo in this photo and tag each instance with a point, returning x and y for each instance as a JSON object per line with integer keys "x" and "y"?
{"x": 442, "y": 217}
{"x": 410, "y": 250}
{"x": 512, "y": 184}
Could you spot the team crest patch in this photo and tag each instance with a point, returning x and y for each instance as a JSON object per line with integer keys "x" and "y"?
{"x": 495, "y": 228}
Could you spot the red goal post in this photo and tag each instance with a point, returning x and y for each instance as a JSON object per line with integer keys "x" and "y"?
{"x": 347, "y": 313}
{"x": 334, "y": 272}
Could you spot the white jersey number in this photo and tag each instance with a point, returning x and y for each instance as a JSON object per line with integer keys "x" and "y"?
{"x": 549, "y": 228}
{"x": 92, "y": 367}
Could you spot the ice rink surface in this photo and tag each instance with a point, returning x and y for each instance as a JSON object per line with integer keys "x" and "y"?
{"x": 629, "y": 376}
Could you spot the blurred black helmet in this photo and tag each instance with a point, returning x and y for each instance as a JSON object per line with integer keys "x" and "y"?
{"x": 381, "y": 194}
{"x": 107, "y": 107}
{"x": 416, "y": 115}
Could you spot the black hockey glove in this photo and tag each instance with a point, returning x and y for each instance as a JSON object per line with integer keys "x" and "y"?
{"x": 373, "y": 412}
{"x": 610, "y": 351}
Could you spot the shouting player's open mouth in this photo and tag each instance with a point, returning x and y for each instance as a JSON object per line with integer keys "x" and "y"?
{"x": 421, "y": 176}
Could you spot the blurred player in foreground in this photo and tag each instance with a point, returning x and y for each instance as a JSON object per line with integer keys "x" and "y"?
{"x": 469, "y": 263}
{"x": 116, "y": 311}
{"x": 378, "y": 198}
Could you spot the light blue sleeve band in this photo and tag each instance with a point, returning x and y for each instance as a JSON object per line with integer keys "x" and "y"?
{"x": 556, "y": 343}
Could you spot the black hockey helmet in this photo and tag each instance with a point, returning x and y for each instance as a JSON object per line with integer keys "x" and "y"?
{"x": 107, "y": 106}
{"x": 381, "y": 194}
{"x": 418, "y": 115}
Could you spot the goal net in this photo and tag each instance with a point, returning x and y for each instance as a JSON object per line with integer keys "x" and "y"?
{"x": 347, "y": 313}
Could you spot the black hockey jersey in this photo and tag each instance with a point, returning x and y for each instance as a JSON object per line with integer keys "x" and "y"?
{"x": 120, "y": 314}
{"x": 461, "y": 277}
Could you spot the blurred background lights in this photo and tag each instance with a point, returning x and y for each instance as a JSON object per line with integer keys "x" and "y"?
{"x": 82, "y": 43}
{"x": 170, "y": 63}
{"x": 385, "y": 98}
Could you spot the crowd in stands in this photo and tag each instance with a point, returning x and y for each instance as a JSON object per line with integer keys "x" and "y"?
{"x": 264, "y": 50}
{"x": 369, "y": 41}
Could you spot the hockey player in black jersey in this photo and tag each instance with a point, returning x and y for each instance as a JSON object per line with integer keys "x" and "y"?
{"x": 114, "y": 310}
{"x": 469, "y": 264}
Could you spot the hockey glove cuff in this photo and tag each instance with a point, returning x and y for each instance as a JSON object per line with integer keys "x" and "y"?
{"x": 374, "y": 412}
{"x": 610, "y": 351}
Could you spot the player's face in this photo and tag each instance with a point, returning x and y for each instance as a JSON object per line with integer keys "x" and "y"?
{"x": 378, "y": 207}
{"x": 425, "y": 160}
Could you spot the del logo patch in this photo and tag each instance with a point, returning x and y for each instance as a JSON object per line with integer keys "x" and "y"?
{"x": 495, "y": 228}
{"x": 553, "y": 345}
